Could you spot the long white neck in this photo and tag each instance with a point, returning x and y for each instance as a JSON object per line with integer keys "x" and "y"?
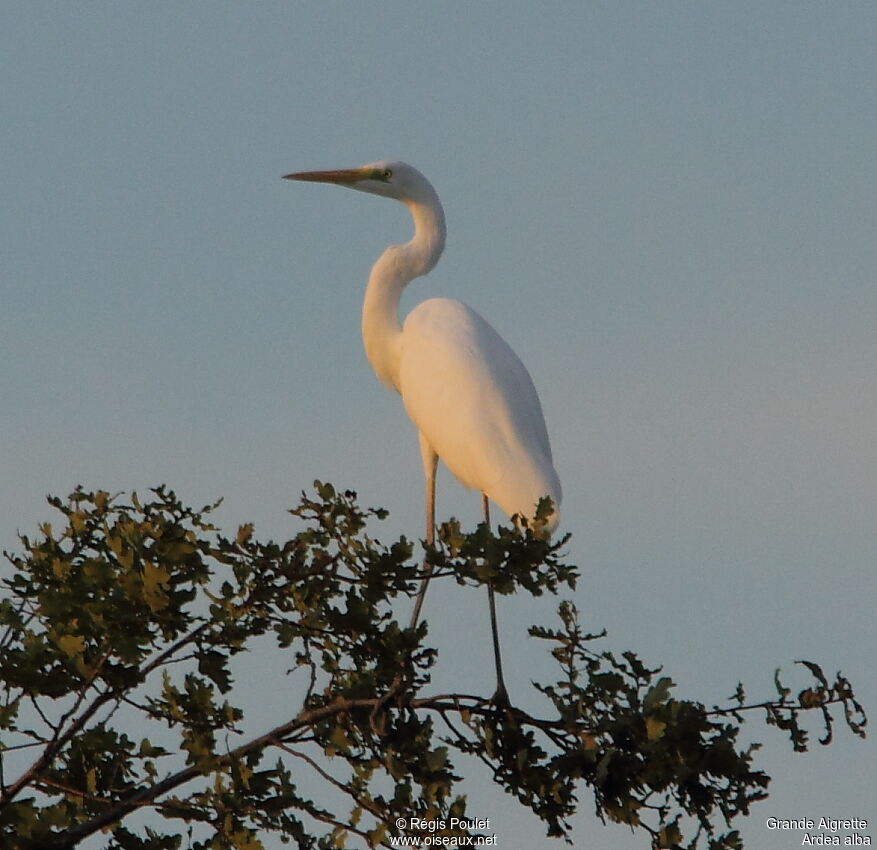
{"x": 394, "y": 270}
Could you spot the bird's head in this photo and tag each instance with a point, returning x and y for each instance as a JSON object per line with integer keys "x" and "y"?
{"x": 390, "y": 178}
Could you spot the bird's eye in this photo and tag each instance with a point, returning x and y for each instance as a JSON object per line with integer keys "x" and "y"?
{"x": 388, "y": 173}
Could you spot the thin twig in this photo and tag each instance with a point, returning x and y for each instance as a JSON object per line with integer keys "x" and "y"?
{"x": 330, "y": 779}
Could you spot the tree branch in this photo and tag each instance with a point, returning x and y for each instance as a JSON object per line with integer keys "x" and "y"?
{"x": 276, "y": 737}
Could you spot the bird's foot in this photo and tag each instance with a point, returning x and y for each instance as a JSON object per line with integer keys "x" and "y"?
{"x": 505, "y": 713}
{"x": 500, "y": 697}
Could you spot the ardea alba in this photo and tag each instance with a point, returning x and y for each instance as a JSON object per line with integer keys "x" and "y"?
{"x": 471, "y": 398}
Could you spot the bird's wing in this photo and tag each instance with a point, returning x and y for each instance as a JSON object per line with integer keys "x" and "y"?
{"x": 474, "y": 401}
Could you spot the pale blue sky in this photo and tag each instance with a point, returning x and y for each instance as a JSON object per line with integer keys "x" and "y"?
{"x": 668, "y": 209}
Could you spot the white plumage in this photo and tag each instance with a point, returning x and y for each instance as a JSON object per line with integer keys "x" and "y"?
{"x": 474, "y": 402}
{"x": 471, "y": 398}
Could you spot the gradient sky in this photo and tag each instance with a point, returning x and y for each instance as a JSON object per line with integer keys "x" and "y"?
{"x": 667, "y": 209}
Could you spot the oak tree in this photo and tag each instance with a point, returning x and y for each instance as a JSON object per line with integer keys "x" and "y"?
{"x": 120, "y": 629}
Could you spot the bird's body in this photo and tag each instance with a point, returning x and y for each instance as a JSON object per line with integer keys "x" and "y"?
{"x": 474, "y": 403}
{"x": 470, "y": 397}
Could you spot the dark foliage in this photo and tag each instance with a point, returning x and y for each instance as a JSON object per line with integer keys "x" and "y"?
{"x": 135, "y": 610}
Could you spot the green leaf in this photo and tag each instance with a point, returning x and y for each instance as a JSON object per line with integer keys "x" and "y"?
{"x": 155, "y": 580}
{"x": 213, "y": 664}
{"x": 658, "y": 694}
{"x": 71, "y": 645}
{"x": 436, "y": 759}
{"x": 654, "y": 728}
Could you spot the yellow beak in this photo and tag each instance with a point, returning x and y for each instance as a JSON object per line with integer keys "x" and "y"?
{"x": 345, "y": 177}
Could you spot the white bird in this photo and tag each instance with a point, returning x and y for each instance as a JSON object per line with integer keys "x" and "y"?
{"x": 469, "y": 395}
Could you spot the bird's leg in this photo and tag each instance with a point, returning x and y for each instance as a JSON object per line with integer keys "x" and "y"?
{"x": 430, "y": 461}
{"x": 501, "y": 695}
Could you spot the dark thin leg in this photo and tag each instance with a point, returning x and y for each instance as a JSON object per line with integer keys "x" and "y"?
{"x": 430, "y": 539}
{"x": 430, "y": 461}
{"x": 501, "y": 695}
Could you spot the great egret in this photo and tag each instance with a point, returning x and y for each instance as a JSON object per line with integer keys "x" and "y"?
{"x": 471, "y": 398}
